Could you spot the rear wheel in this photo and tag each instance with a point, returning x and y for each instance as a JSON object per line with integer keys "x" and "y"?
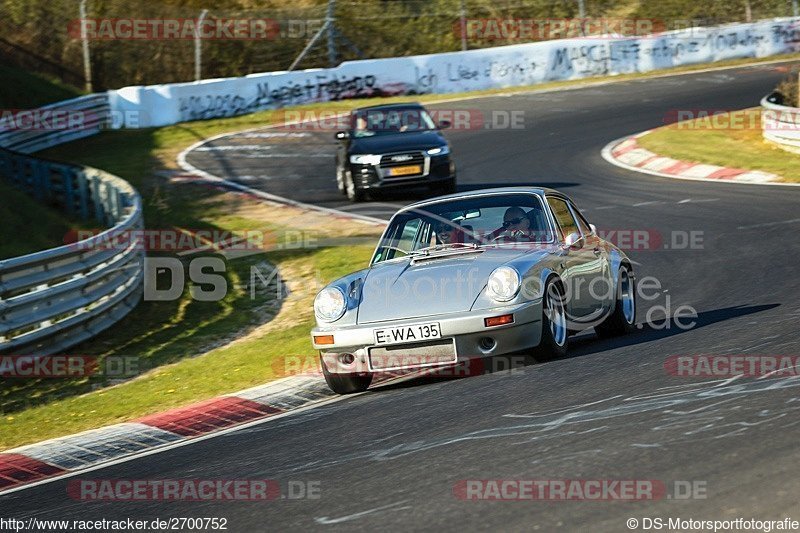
{"x": 623, "y": 319}
{"x": 555, "y": 335}
{"x": 346, "y": 383}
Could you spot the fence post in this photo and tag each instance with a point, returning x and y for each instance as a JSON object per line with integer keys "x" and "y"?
{"x": 463, "y": 17}
{"x": 198, "y": 45}
{"x": 329, "y": 19}
{"x": 87, "y": 65}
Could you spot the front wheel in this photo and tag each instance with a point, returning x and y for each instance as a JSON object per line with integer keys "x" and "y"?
{"x": 555, "y": 335}
{"x": 623, "y": 319}
{"x": 346, "y": 383}
{"x": 340, "y": 177}
{"x": 354, "y": 194}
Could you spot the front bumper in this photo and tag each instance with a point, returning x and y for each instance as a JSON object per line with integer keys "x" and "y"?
{"x": 373, "y": 177}
{"x": 467, "y": 330}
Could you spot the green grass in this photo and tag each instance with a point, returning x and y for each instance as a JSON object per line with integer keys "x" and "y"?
{"x": 17, "y": 212}
{"x": 21, "y": 89}
{"x": 740, "y": 147}
{"x": 171, "y": 338}
{"x": 220, "y": 371}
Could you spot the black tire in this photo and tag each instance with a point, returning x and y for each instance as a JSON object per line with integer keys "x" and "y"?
{"x": 553, "y": 344}
{"x": 340, "y": 178}
{"x": 623, "y": 319}
{"x": 445, "y": 187}
{"x": 346, "y": 383}
{"x": 354, "y": 194}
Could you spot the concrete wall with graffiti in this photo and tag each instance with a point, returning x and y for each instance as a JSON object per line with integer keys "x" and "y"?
{"x": 500, "y": 67}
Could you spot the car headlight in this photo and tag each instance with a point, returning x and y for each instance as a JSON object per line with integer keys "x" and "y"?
{"x": 503, "y": 284}
{"x": 330, "y": 304}
{"x": 365, "y": 159}
{"x": 441, "y": 150}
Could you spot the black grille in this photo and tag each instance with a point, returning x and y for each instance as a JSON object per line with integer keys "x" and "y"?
{"x": 410, "y": 158}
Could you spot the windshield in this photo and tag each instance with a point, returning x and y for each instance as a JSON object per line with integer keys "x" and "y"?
{"x": 494, "y": 220}
{"x": 387, "y": 121}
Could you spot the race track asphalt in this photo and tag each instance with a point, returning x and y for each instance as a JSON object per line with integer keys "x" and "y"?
{"x": 391, "y": 458}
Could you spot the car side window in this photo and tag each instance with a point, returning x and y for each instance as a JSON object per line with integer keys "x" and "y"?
{"x": 563, "y": 216}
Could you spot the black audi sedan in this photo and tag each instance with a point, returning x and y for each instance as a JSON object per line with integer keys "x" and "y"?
{"x": 393, "y": 146}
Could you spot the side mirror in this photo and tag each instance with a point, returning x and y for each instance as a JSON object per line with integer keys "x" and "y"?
{"x": 342, "y": 135}
{"x": 593, "y": 228}
{"x": 572, "y": 239}
{"x": 444, "y": 124}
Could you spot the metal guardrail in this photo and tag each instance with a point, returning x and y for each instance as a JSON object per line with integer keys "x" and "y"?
{"x": 91, "y": 113}
{"x": 54, "y": 299}
{"x": 780, "y": 125}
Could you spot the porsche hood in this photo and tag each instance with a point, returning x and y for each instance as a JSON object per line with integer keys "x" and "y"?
{"x": 434, "y": 285}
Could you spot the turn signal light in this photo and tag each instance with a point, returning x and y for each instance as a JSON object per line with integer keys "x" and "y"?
{"x": 498, "y": 320}
{"x": 323, "y": 339}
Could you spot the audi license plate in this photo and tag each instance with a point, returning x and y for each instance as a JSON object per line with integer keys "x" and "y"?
{"x": 405, "y": 171}
{"x": 412, "y": 333}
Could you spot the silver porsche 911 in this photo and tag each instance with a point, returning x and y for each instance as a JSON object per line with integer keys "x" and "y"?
{"x": 474, "y": 274}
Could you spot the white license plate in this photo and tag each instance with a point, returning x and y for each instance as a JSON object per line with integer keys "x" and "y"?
{"x": 412, "y": 333}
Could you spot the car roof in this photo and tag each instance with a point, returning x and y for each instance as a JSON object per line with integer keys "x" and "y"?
{"x": 541, "y": 191}
{"x": 388, "y": 106}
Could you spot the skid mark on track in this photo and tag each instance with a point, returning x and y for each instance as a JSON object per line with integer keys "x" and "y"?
{"x": 324, "y": 520}
{"x": 769, "y": 224}
{"x": 676, "y": 415}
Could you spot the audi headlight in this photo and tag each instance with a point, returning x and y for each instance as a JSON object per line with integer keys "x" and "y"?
{"x": 503, "y": 284}
{"x": 440, "y": 150}
{"x": 365, "y": 159}
{"x": 330, "y": 304}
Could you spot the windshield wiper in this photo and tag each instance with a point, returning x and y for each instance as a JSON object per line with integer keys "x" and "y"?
{"x": 407, "y": 252}
{"x": 447, "y": 246}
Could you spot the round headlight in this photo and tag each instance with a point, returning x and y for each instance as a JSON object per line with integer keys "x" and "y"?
{"x": 503, "y": 284}
{"x": 330, "y": 304}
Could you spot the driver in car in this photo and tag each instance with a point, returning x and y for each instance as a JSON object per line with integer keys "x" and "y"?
{"x": 516, "y": 224}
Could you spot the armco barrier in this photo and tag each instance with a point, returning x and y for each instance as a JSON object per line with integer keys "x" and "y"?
{"x": 91, "y": 112}
{"x": 780, "y": 125}
{"x": 54, "y": 299}
{"x": 487, "y": 68}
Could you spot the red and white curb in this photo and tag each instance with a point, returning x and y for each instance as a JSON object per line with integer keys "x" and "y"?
{"x": 628, "y": 154}
{"x": 65, "y": 455}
